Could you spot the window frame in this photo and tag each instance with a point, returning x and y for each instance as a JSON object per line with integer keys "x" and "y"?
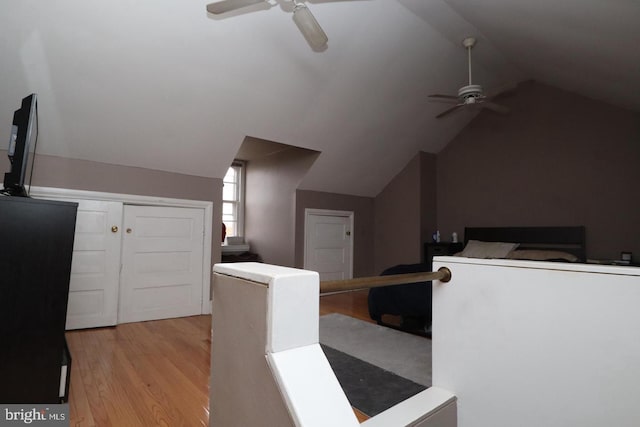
{"x": 240, "y": 167}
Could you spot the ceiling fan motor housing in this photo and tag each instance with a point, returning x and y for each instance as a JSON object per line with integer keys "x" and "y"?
{"x": 469, "y": 94}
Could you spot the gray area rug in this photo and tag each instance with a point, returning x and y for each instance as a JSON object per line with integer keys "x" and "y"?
{"x": 406, "y": 355}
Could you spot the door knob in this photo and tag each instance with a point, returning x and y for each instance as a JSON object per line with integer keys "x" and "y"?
{"x": 128, "y": 230}
{"x": 114, "y": 229}
{"x": 348, "y": 233}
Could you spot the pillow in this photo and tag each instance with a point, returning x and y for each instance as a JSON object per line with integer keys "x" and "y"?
{"x": 479, "y": 249}
{"x": 542, "y": 255}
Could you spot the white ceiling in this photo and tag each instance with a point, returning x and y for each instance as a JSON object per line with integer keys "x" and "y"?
{"x": 161, "y": 84}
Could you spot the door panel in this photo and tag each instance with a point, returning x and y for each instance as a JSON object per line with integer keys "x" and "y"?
{"x": 162, "y": 275}
{"x": 328, "y": 246}
{"x": 95, "y": 270}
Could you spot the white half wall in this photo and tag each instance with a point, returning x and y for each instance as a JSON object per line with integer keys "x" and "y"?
{"x": 267, "y": 367}
{"x": 538, "y": 344}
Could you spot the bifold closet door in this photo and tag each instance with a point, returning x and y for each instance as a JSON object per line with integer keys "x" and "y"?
{"x": 95, "y": 270}
{"x": 162, "y": 261}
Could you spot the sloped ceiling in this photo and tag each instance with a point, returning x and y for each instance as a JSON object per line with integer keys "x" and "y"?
{"x": 161, "y": 84}
{"x": 590, "y": 47}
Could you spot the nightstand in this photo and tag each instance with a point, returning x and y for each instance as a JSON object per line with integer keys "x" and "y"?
{"x": 432, "y": 249}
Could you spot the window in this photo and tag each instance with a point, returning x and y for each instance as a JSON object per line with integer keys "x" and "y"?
{"x": 233, "y": 199}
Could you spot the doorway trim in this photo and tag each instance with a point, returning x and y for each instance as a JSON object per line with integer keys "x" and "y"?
{"x": 328, "y": 212}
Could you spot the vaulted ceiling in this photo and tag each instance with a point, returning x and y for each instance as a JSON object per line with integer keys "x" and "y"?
{"x": 161, "y": 84}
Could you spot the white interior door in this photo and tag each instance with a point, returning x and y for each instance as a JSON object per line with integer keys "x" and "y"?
{"x": 95, "y": 269}
{"x": 329, "y": 243}
{"x": 162, "y": 254}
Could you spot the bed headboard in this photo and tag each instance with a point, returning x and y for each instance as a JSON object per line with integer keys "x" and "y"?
{"x": 567, "y": 239}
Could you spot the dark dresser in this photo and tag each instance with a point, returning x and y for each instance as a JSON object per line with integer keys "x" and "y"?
{"x": 36, "y": 241}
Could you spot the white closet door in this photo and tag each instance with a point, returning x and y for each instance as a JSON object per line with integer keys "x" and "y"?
{"x": 162, "y": 253}
{"x": 95, "y": 269}
{"x": 329, "y": 244}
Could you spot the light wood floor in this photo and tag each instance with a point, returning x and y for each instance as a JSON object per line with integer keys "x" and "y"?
{"x": 156, "y": 373}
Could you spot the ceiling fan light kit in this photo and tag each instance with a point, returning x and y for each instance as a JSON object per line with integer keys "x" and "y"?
{"x": 471, "y": 94}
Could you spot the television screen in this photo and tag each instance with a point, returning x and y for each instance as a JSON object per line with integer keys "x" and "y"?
{"x": 24, "y": 134}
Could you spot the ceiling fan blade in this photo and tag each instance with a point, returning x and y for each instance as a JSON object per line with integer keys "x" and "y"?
{"x": 501, "y": 90}
{"x": 495, "y": 107}
{"x": 444, "y": 96}
{"x": 444, "y": 100}
{"x": 225, "y": 6}
{"x": 450, "y": 110}
{"x": 309, "y": 26}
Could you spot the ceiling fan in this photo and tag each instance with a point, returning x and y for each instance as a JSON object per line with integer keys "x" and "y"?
{"x": 302, "y": 16}
{"x": 472, "y": 95}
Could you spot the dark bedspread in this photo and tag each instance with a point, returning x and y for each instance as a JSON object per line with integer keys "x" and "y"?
{"x": 411, "y": 301}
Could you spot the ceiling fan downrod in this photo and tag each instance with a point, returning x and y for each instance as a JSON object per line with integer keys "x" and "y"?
{"x": 471, "y": 92}
{"x": 468, "y": 43}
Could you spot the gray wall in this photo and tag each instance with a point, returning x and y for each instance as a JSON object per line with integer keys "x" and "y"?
{"x": 397, "y": 219}
{"x": 363, "y": 233}
{"x": 58, "y": 172}
{"x": 271, "y": 184}
{"x": 428, "y": 199}
{"x": 406, "y": 214}
{"x": 557, "y": 159}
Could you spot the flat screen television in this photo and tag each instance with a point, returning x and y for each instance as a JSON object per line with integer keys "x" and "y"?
{"x": 24, "y": 134}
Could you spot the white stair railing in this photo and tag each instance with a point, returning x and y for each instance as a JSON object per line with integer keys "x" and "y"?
{"x": 267, "y": 367}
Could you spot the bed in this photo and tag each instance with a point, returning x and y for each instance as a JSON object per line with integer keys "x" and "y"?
{"x": 566, "y": 244}
{"x": 412, "y": 302}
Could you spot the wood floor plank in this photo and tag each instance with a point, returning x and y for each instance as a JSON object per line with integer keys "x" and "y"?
{"x": 354, "y": 304}
{"x": 153, "y": 407}
{"x": 156, "y": 373}
{"x": 114, "y": 389}
{"x": 88, "y": 383}
{"x": 360, "y": 415}
{"x": 78, "y": 401}
{"x": 155, "y": 361}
